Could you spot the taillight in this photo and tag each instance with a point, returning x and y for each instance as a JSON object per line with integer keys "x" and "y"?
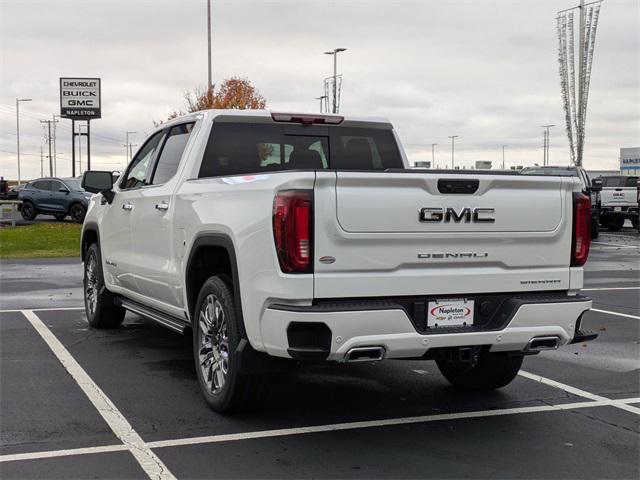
{"x": 581, "y": 230}
{"x": 293, "y": 230}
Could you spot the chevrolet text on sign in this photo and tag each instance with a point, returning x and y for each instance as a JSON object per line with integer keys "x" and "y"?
{"x": 80, "y": 98}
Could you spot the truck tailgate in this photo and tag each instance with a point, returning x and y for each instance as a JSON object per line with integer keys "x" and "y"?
{"x": 371, "y": 224}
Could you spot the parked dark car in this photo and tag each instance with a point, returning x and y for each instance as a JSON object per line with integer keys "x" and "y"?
{"x": 590, "y": 188}
{"x": 60, "y": 197}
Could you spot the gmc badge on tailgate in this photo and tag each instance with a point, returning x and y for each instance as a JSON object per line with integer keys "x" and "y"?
{"x": 449, "y": 214}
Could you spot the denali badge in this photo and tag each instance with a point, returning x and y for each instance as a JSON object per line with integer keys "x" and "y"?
{"x": 454, "y": 255}
{"x": 449, "y": 214}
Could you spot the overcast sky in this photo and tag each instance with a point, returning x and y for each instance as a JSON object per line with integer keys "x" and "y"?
{"x": 484, "y": 70}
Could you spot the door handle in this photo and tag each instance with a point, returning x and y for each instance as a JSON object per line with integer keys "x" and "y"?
{"x": 127, "y": 206}
{"x": 164, "y": 206}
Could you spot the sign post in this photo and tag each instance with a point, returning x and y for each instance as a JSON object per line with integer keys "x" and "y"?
{"x": 80, "y": 99}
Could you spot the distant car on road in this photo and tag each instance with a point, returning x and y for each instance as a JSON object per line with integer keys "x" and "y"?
{"x": 60, "y": 197}
{"x": 590, "y": 188}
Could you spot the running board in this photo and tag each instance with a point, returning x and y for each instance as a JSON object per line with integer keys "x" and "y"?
{"x": 172, "y": 323}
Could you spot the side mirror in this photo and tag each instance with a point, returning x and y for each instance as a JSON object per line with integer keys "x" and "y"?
{"x": 63, "y": 190}
{"x": 95, "y": 181}
{"x": 596, "y": 185}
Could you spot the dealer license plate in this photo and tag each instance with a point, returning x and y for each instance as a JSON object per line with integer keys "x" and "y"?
{"x": 453, "y": 312}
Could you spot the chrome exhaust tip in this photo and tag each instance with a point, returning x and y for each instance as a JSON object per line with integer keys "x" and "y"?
{"x": 537, "y": 344}
{"x": 364, "y": 354}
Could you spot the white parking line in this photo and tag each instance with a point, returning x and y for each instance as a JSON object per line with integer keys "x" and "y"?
{"x": 575, "y": 391}
{"x": 626, "y": 315}
{"x": 609, "y": 288}
{"x": 324, "y": 428}
{"x": 16, "y": 457}
{"x": 149, "y": 461}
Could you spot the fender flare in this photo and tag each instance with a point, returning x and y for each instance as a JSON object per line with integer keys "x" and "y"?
{"x": 224, "y": 241}
{"x": 88, "y": 227}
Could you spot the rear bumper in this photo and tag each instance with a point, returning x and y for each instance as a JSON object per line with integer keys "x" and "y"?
{"x": 392, "y": 328}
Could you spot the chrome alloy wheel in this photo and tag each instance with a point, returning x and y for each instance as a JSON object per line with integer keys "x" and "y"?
{"x": 214, "y": 344}
{"x": 91, "y": 284}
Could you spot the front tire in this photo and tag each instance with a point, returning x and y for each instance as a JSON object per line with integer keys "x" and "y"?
{"x": 28, "y": 211}
{"x": 491, "y": 371}
{"x": 99, "y": 305}
{"x": 615, "y": 224}
{"x": 216, "y": 335}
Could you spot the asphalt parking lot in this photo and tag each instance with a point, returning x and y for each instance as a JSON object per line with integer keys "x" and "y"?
{"x": 82, "y": 403}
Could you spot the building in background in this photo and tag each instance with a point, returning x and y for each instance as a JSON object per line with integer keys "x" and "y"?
{"x": 630, "y": 161}
{"x": 483, "y": 165}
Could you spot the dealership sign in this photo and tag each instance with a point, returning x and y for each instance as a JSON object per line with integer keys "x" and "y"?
{"x": 80, "y": 98}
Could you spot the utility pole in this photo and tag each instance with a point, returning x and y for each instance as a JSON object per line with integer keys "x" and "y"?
{"x": 503, "y": 147}
{"x": 335, "y": 76}
{"x": 433, "y": 155}
{"x": 128, "y": 147}
{"x": 210, "y": 76}
{"x": 41, "y": 161}
{"x": 49, "y": 138}
{"x": 546, "y": 144}
{"x": 321, "y": 98}
{"x": 18, "y": 100}
{"x": 55, "y": 158}
{"x": 453, "y": 138}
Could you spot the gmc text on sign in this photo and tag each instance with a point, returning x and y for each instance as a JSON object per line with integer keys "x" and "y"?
{"x": 80, "y": 98}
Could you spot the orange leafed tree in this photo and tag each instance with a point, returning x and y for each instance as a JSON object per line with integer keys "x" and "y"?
{"x": 234, "y": 93}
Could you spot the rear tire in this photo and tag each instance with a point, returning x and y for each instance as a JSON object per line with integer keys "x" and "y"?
{"x": 491, "y": 371}
{"x": 28, "y": 211}
{"x": 216, "y": 335}
{"x": 77, "y": 212}
{"x": 99, "y": 304}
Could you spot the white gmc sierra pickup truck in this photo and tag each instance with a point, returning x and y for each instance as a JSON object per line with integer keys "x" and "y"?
{"x": 276, "y": 239}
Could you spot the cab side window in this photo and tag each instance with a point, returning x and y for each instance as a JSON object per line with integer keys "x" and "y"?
{"x": 172, "y": 150}
{"x": 139, "y": 169}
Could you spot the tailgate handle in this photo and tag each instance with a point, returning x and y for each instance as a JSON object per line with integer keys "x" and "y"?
{"x": 455, "y": 185}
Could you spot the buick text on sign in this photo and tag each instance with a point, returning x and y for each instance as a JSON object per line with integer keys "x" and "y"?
{"x": 80, "y": 98}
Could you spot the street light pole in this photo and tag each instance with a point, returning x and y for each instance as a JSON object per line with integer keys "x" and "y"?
{"x": 453, "y": 138}
{"x": 433, "y": 155}
{"x": 335, "y": 76}
{"x": 210, "y": 75}
{"x": 503, "y": 147}
{"x": 18, "y": 100}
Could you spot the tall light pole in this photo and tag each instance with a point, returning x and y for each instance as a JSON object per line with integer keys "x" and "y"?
{"x": 546, "y": 144}
{"x": 210, "y": 75}
{"x": 453, "y": 138}
{"x": 433, "y": 155}
{"x": 335, "y": 76}
{"x": 18, "y": 100}
{"x": 503, "y": 147}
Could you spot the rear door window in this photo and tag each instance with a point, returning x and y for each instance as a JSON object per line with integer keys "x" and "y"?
{"x": 236, "y": 149}
{"x": 172, "y": 150}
